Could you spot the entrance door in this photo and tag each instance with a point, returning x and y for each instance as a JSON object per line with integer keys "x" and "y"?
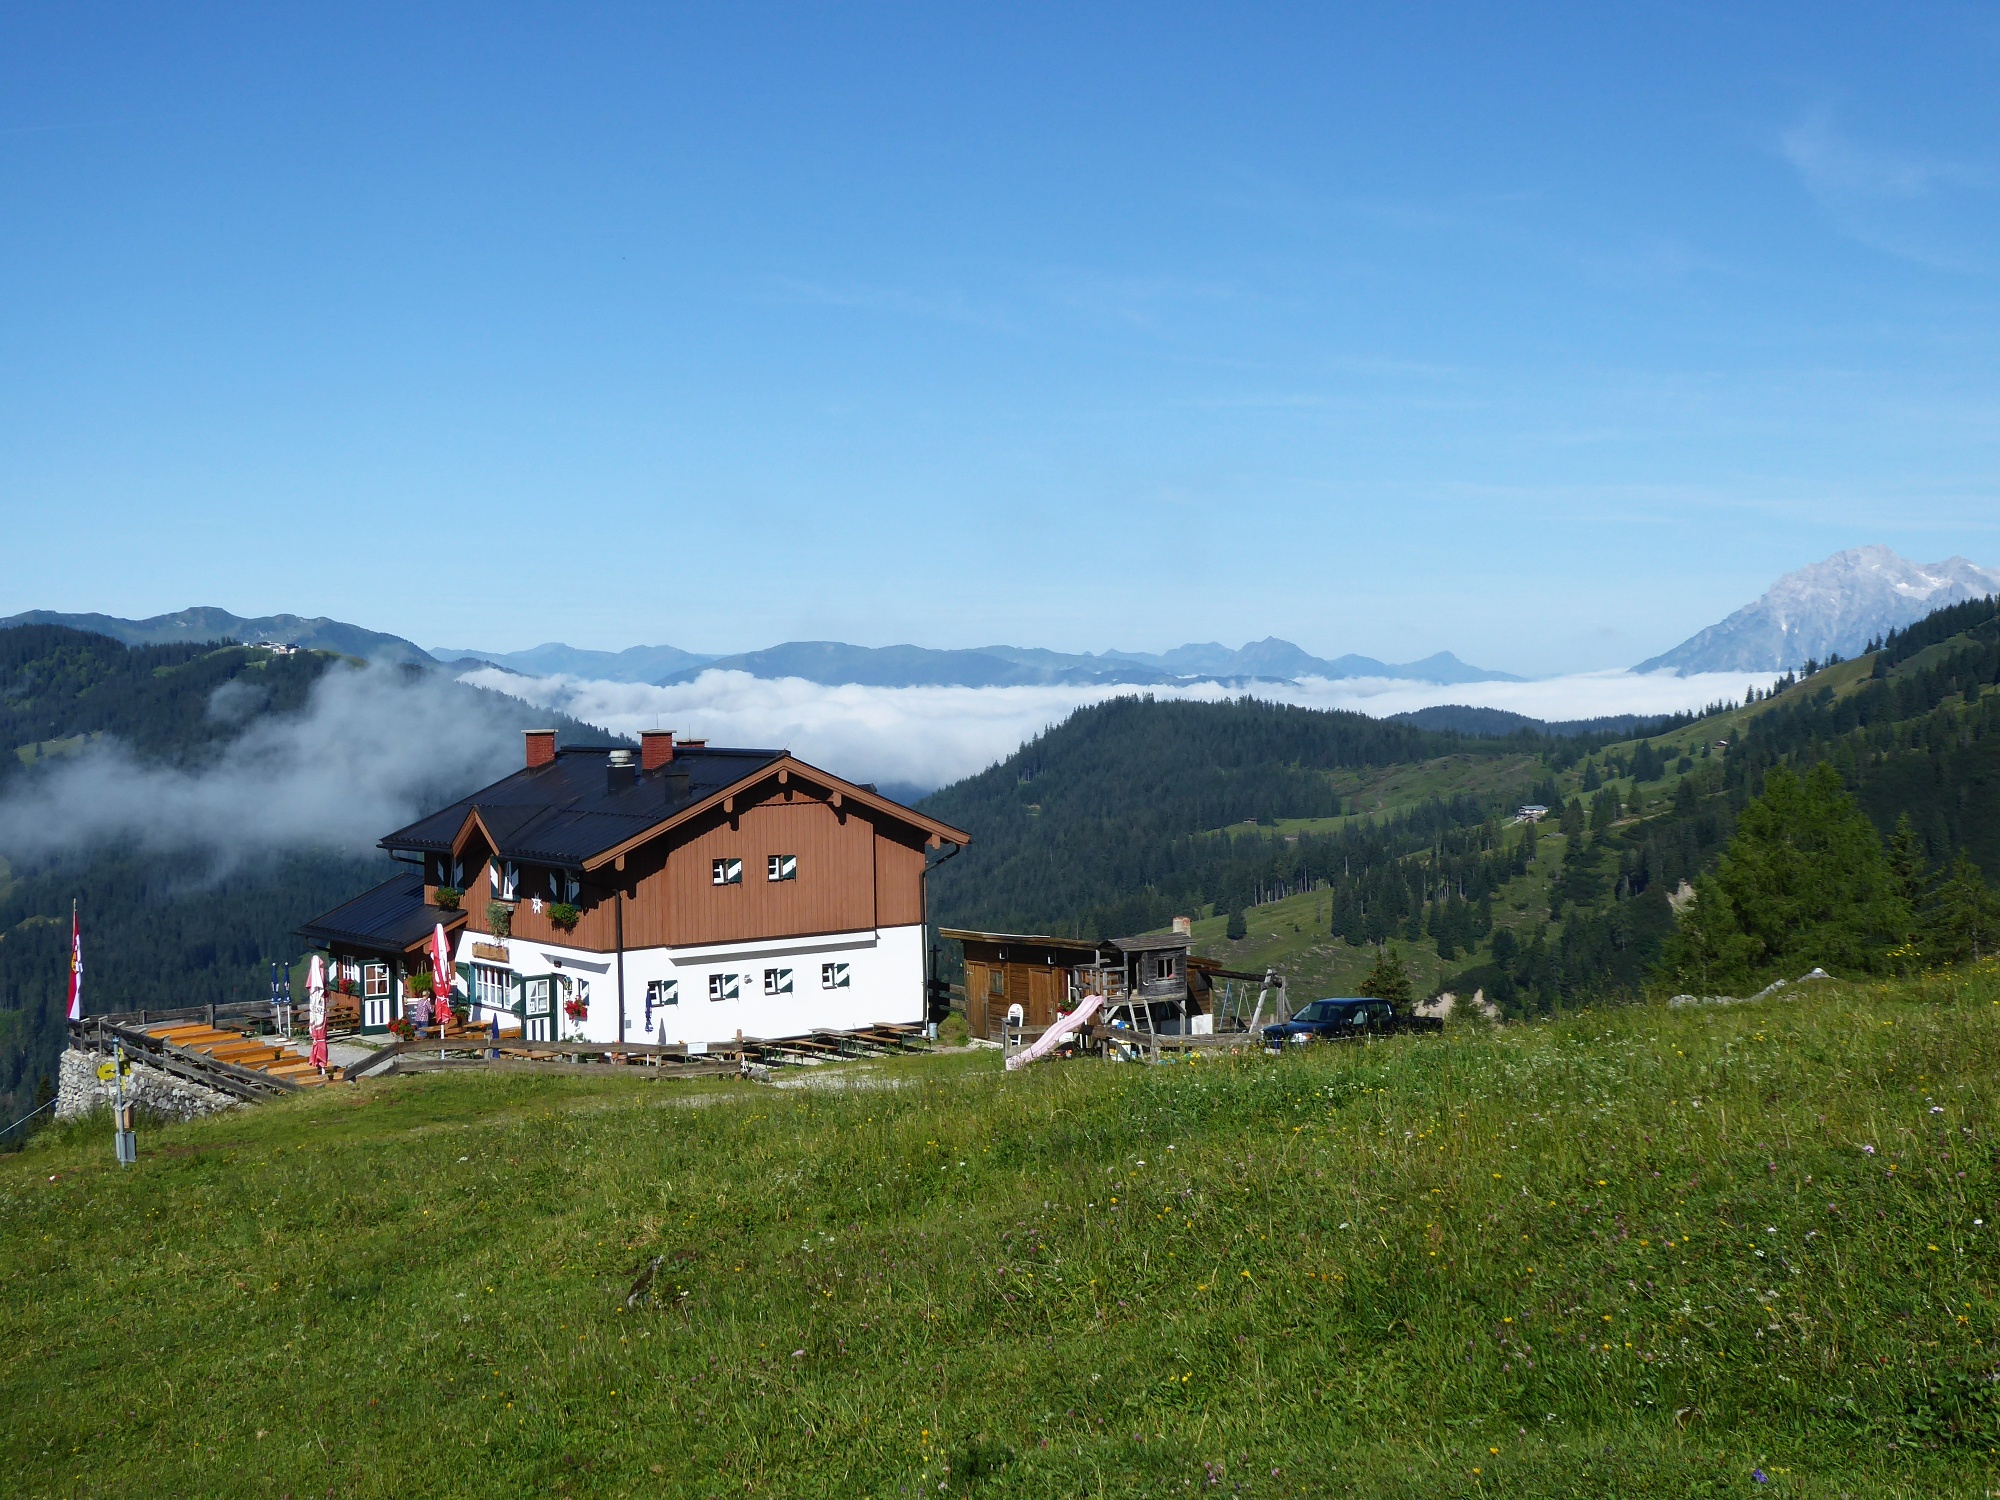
{"x": 1044, "y": 990}
{"x": 540, "y": 1008}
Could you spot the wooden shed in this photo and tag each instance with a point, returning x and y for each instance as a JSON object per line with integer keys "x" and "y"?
{"x": 1040, "y": 974}
{"x": 1156, "y": 981}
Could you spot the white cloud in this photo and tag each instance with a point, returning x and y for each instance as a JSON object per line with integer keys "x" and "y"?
{"x": 1892, "y": 201}
{"x": 928, "y": 736}
{"x": 374, "y": 749}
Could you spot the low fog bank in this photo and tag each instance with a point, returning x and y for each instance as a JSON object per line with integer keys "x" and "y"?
{"x": 929, "y": 736}
{"x": 374, "y": 748}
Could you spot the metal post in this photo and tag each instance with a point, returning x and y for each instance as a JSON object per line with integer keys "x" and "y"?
{"x": 618, "y": 927}
{"x": 125, "y": 1142}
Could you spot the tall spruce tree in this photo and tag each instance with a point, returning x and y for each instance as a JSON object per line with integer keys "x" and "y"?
{"x": 1389, "y": 980}
{"x": 1804, "y": 882}
{"x": 1962, "y": 919}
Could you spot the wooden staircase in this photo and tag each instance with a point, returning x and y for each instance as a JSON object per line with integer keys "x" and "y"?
{"x": 254, "y": 1053}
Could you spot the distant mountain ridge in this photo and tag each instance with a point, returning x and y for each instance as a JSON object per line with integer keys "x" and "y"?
{"x": 835, "y": 663}
{"x": 829, "y": 663}
{"x": 554, "y": 659}
{"x": 207, "y": 623}
{"x": 1838, "y": 605}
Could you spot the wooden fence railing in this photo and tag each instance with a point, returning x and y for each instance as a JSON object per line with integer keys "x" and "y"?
{"x": 101, "y": 1034}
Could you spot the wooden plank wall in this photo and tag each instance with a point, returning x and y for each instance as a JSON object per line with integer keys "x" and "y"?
{"x": 854, "y": 873}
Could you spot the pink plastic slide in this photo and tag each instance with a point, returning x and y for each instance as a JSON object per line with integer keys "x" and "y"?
{"x": 1051, "y": 1039}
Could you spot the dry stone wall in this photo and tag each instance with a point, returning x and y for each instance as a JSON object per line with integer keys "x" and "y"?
{"x": 158, "y": 1094}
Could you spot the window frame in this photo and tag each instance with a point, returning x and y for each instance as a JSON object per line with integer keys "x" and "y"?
{"x": 375, "y": 981}
{"x": 723, "y": 987}
{"x": 781, "y": 867}
{"x": 835, "y": 975}
{"x": 725, "y": 872}
{"x": 778, "y": 981}
{"x": 542, "y": 986}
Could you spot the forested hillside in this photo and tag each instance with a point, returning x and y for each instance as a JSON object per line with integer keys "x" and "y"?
{"x": 58, "y": 685}
{"x": 185, "y": 922}
{"x": 1132, "y": 812}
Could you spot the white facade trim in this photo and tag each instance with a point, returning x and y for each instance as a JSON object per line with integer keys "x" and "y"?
{"x": 776, "y": 947}
{"x": 768, "y": 989}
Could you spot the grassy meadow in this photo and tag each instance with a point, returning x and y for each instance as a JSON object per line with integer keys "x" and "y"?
{"x": 1626, "y": 1252}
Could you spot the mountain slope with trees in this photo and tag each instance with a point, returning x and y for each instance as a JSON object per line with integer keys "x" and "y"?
{"x": 165, "y": 927}
{"x": 1130, "y": 813}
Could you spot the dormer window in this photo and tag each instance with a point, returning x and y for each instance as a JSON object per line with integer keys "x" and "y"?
{"x": 726, "y": 872}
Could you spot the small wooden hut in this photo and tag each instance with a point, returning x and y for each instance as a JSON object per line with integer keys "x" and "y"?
{"x": 1154, "y": 983}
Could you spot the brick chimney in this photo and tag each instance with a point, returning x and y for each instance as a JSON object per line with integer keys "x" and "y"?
{"x": 656, "y": 748}
{"x": 541, "y": 748}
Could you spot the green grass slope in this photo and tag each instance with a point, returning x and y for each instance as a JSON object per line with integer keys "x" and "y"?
{"x": 1633, "y": 1252}
{"x": 1290, "y": 935}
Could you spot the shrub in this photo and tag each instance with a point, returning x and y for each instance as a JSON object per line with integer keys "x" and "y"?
{"x": 448, "y": 897}
{"x": 564, "y": 915}
{"x": 500, "y": 917}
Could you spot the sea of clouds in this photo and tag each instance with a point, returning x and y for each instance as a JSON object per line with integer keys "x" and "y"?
{"x": 925, "y": 737}
{"x": 377, "y": 747}
{"x": 373, "y": 749}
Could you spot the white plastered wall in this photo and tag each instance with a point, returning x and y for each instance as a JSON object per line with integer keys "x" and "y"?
{"x": 885, "y": 983}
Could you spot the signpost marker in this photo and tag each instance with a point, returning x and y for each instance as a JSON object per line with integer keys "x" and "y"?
{"x": 127, "y": 1141}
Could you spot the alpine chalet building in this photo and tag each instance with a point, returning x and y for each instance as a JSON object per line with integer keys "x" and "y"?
{"x": 687, "y": 894}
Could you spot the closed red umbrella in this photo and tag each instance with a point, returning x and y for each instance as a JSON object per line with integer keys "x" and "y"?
{"x": 316, "y": 1011}
{"x": 441, "y": 976}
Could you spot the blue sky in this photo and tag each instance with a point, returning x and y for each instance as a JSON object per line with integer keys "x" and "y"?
{"x": 1545, "y": 335}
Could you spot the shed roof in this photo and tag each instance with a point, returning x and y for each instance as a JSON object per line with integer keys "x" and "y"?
{"x": 1152, "y": 943}
{"x": 1026, "y": 939}
{"x": 392, "y": 918}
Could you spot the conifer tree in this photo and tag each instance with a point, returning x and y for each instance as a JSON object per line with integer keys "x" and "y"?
{"x": 1238, "y": 929}
{"x": 1389, "y": 980}
{"x": 1962, "y": 922}
{"x": 1603, "y": 809}
{"x": 1572, "y": 818}
{"x": 1906, "y": 861}
{"x": 1804, "y": 882}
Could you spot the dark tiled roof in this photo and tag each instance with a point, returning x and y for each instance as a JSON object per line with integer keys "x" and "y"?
{"x": 387, "y": 919}
{"x": 563, "y": 813}
{"x": 1153, "y": 943}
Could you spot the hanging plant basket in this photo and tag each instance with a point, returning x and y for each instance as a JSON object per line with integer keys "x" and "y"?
{"x": 448, "y": 897}
{"x": 564, "y": 915}
{"x": 500, "y": 917}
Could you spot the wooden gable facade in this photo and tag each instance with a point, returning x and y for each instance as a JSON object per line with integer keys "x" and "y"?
{"x": 809, "y": 853}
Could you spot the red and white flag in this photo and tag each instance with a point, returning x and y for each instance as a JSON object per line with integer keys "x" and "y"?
{"x": 75, "y": 966}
